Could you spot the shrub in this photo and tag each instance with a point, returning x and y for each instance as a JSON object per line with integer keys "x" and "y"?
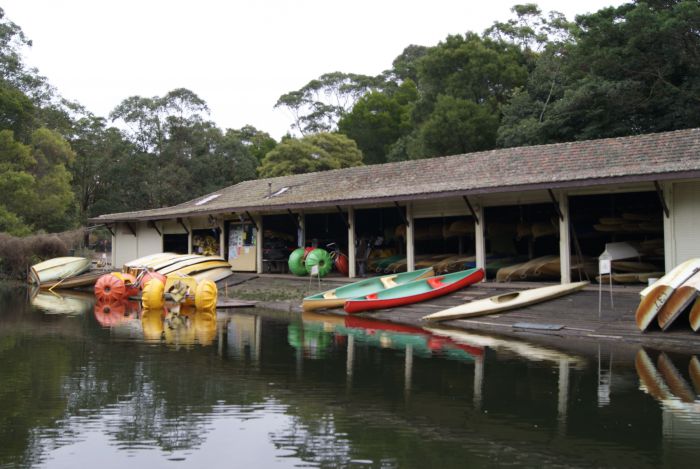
{"x": 17, "y": 254}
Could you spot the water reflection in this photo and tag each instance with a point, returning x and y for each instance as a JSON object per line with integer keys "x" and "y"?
{"x": 257, "y": 388}
{"x": 65, "y": 302}
{"x": 680, "y": 402}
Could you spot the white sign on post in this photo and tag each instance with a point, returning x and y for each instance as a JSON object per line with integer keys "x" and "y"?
{"x": 314, "y": 270}
{"x": 604, "y": 266}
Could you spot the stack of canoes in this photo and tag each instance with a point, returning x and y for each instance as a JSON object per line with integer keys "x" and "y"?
{"x": 543, "y": 268}
{"x": 392, "y": 290}
{"x": 669, "y": 297}
{"x": 630, "y": 223}
{"x": 214, "y": 268}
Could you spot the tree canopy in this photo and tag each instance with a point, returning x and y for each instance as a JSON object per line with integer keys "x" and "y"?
{"x": 529, "y": 79}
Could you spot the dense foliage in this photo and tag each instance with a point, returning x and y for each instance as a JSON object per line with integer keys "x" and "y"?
{"x": 535, "y": 78}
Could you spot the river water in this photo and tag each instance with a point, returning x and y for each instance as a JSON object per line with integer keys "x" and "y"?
{"x": 257, "y": 388}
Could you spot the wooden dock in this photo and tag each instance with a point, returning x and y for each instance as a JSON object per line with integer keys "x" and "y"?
{"x": 574, "y": 316}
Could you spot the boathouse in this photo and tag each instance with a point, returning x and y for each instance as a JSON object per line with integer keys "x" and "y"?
{"x": 562, "y": 203}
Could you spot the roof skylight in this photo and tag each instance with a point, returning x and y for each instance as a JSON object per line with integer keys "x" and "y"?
{"x": 208, "y": 198}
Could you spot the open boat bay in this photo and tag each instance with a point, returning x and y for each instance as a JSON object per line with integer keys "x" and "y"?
{"x": 259, "y": 388}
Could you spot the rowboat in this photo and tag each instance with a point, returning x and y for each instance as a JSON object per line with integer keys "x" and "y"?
{"x": 57, "y": 269}
{"x": 655, "y": 295}
{"x": 679, "y": 300}
{"x": 337, "y": 297}
{"x": 83, "y": 280}
{"x": 505, "y": 302}
{"x": 215, "y": 274}
{"x": 414, "y": 292}
{"x": 70, "y": 303}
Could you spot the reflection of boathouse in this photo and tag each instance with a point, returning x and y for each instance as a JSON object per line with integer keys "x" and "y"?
{"x": 558, "y": 204}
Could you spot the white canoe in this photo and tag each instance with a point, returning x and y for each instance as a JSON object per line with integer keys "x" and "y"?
{"x": 57, "y": 269}
{"x": 655, "y": 295}
{"x": 505, "y": 302}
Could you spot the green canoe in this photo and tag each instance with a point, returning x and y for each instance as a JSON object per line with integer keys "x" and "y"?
{"x": 336, "y": 298}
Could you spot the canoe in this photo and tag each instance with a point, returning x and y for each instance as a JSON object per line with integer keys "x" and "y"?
{"x": 216, "y": 274}
{"x": 83, "y": 280}
{"x": 337, "y": 297}
{"x": 505, "y": 302}
{"x": 201, "y": 266}
{"x": 57, "y": 269}
{"x": 655, "y": 295}
{"x": 414, "y": 292}
{"x": 165, "y": 263}
{"x": 694, "y": 316}
{"x": 135, "y": 265}
{"x": 679, "y": 300}
{"x": 188, "y": 263}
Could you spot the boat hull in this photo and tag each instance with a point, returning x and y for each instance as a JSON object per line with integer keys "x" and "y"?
{"x": 57, "y": 269}
{"x": 655, "y": 296}
{"x": 415, "y": 292}
{"x": 679, "y": 300}
{"x": 507, "y": 301}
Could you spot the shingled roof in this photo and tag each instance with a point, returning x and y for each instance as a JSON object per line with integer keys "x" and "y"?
{"x": 660, "y": 156}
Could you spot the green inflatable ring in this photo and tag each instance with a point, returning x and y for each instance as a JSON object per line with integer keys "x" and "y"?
{"x": 296, "y": 262}
{"x": 322, "y": 259}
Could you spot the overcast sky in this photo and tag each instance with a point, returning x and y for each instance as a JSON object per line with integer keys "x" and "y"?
{"x": 237, "y": 55}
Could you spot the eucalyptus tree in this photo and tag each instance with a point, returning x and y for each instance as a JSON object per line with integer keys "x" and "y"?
{"x": 318, "y": 105}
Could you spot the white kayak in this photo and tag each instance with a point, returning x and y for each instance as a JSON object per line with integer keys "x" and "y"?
{"x": 505, "y": 302}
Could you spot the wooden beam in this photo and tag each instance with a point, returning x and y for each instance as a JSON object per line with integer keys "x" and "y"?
{"x": 182, "y": 224}
{"x": 555, "y": 203}
{"x": 403, "y": 216}
{"x": 343, "y": 217}
{"x": 252, "y": 221}
{"x": 471, "y": 209}
{"x": 662, "y": 199}
{"x": 153, "y": 225}
{"x": 294, "y": 218}
{"x": 131, "y": 228}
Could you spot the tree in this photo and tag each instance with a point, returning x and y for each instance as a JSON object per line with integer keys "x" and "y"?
{"x": 257, "y": 141}
{"x": 626, "y": 70}
{"x": 379, "y": 119}
{"x": 458, "y": 126}
{"x": 319, "y": 152}
{"x": 152, "y": 121}
{"x": 319, "y": 104}
{"x": 54, "y": 197}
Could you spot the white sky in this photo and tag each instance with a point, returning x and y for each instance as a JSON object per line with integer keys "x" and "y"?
{"x": 237, "y": 55}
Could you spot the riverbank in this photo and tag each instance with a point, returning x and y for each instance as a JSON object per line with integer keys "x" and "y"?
{"x": 573, "y": 320}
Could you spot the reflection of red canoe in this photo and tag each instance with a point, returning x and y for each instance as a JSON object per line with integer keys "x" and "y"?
{"x": 434, "y": 342}
{"x": 416, "y": 291}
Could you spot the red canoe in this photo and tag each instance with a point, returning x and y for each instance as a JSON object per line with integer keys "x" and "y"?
{"x": 416, "y": 291}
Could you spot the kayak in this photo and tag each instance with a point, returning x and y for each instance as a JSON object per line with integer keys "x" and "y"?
{"x": 337, "y": 297}
{"x": 414, "y": 292}
{"x": 511, "y": 300}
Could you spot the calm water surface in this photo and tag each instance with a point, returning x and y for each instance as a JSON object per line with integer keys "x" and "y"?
{"x": 256, "y": 388}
